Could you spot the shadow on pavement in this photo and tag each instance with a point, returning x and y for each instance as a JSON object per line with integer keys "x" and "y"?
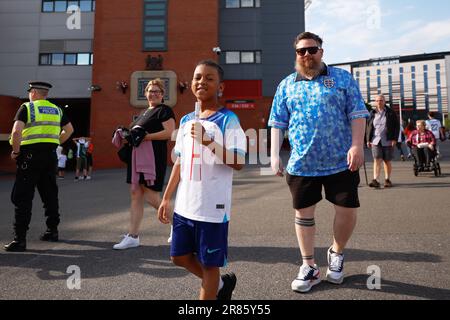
{"x": 359, "y": 282}
{"x": 99, "y": 260}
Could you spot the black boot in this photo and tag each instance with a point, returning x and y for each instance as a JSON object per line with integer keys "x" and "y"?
{"x": 16, "y": 246}
{"x": 49, "y": 235}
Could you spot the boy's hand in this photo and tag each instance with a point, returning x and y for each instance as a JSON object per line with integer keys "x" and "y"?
{"x": 198, "y": 132}
{"x": 164, "y": 211}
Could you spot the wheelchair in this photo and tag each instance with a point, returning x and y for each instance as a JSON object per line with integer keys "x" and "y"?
{"x": 434, "y": 167}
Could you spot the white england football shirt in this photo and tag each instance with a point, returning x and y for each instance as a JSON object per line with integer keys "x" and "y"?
{"x": 434, "y": 125}
{"x": 204, "y": 191}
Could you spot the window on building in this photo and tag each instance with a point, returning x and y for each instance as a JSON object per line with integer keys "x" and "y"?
{"x": 155, "y": 25}
{"x": 247, "y": 57}
{"x": 232, "y": 57}
{"x": 60, "y": 6}
{"x": 247, "y": 3}
{"x": 45, "y": 59}
{"x": 242, "y": 4}
{"x": 57, "y": 59}
{"x": 232, "y": 4}
{"x": 48, "y": 6}
{"x": 72, "y": 3}
{"x": 238, "y": 57}
{"x": 70, "y": 59}
{"x": 86, "y": 5}
{"x": 67, "y": 59}
{"x": 257, "y": 56}
{"x": 63, "y": 5}
{"x": 84, "y": 59}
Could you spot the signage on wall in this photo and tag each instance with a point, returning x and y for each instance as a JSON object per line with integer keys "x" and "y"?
{"x": 142, "y": 83}
{"x": 140, "y": 79}
{"x": 241, "y": 104}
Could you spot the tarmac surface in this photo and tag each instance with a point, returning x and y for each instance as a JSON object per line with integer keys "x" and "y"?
{"x": 404, "y": 231}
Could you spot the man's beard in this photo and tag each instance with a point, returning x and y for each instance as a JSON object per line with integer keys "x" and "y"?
{"x": 309, "y": 68}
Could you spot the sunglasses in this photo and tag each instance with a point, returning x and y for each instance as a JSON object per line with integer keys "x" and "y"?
{"x": 154, "y": 91}
{"x": 302, "y": 51}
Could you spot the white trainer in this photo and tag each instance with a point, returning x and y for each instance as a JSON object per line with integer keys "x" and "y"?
{"x": 307, "y": 278}
{"x": 127, "y": 242}
{"x": 335, "y": 272}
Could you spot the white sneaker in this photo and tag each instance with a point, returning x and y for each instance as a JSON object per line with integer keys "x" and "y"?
{"x": 307, "y": 278}
{"x": 335, "y": 272}
{"x": 88, "y": 178}
{"x": 127, "y": 242}
{"x": 169, "y": 240}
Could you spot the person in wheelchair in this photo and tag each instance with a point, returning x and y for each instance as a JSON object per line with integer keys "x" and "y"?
{"x": 423, "y": 146}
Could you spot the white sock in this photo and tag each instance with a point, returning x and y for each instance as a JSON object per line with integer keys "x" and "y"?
{"x": 220, "y": 284}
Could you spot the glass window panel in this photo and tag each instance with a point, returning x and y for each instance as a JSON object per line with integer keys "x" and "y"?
{"x": 154, "y": 29}
{"x": 153, "y": 13}
{"x": 72, "y": 3}
{"x": 155, "y": 6}
{"x": 48, "y": 6}
{"x": 247, "y": 3}
{"x": 83, "y": 59}
{"x": 154, "y": 38}
{"x": 154, "y": 45}
{"x": 258, "y": 57}
{"x": 92, "y": 58}
{"x": 257, "y": 3}
{"x": 86, "y": 5}
{"x": 93, "y": 5}
{"x": 247, "y": 57}
{"x": 45, "y": 59}
{"x": 155, "y": 22}
{"x": 232, "y": 4}
{"x": 70, "y": 59}
{"x": 58, "y": 59}
{"x": 232, "y": 57}
{"x": 60, "y": 6}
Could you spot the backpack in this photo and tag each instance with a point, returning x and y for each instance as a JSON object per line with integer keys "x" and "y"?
{"x": 83, "y": 150}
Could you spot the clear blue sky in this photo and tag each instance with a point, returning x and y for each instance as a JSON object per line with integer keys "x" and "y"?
{"x": 363, "y": 29}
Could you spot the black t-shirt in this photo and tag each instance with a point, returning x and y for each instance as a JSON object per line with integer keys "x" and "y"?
{"x": 22, "y": 115}
{"x": 151, "y": 120}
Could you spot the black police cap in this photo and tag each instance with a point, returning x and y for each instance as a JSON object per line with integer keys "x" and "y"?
{"x": 39, "y": 85}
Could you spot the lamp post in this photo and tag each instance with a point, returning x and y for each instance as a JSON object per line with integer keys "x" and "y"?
{"x": 400, "y": 109}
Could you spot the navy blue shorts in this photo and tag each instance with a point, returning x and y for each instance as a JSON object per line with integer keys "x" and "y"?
{"x": 209, "y": 241}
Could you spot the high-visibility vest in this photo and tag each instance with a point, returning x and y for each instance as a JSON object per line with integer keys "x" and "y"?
{"x": 43, "y": 124}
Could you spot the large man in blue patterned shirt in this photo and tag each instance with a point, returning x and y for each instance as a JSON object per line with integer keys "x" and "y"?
{"x": 325, "y": 115}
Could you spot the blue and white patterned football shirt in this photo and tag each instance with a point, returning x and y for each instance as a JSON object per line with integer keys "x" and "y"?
{"x": 318, "y": 115}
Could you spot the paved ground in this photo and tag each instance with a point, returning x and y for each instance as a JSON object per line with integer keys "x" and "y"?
{"x": 404, "y": 231}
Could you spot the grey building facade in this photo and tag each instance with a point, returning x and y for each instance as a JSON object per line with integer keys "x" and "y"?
{"x": 256, "y": 39}
{"x": 37, "y": 44}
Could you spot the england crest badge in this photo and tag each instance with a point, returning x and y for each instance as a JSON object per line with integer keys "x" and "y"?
{"x": 329, "y": 82}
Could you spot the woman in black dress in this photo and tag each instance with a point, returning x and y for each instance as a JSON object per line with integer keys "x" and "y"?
{"x": 159, "y": 123}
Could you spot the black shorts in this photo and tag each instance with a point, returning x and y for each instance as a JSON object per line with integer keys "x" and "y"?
{"x": 341, "y": 189}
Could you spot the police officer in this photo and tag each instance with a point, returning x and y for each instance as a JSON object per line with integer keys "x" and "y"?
{"x": 39, "y": 127}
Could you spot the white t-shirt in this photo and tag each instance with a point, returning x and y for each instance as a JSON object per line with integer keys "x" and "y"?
{"x": 434, "y": 126}
{"x": 204, "y": 191}
{"x": 62, "y": 159}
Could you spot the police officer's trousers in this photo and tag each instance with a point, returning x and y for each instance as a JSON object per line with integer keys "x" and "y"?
{"x": 35, "y": 168}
